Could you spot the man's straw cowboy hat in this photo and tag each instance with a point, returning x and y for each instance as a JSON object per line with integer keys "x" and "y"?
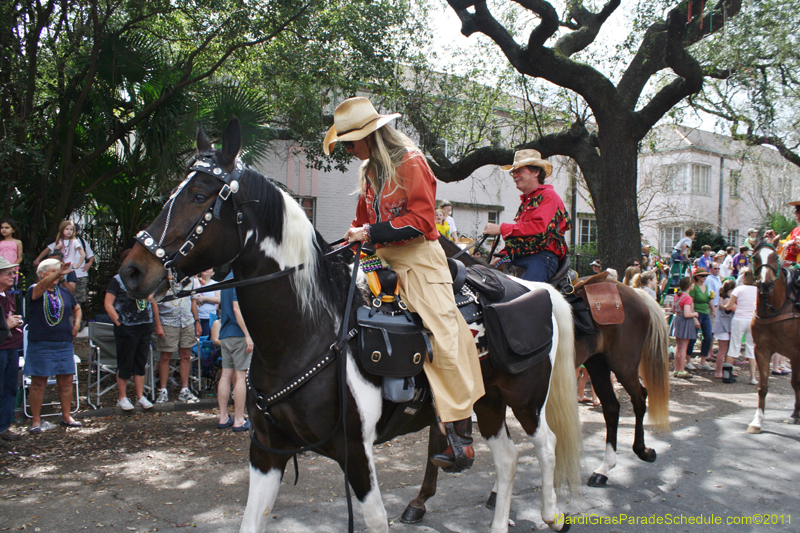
{"x": 354, "y": 119}
{"x": 525, "y": 158}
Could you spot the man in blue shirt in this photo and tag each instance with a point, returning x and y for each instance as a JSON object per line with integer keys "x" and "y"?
{"x": 237, "y": 350}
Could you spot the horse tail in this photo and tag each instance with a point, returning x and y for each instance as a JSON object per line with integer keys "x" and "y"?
{"x": 654, "y": 364}
{"x": 561, "y": 408}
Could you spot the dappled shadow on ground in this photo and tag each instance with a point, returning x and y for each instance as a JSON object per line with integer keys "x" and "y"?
{"x": 147, "y": 472}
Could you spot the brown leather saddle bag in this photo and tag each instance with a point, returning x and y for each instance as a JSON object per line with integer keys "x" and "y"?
{"x": 604, "y": 303}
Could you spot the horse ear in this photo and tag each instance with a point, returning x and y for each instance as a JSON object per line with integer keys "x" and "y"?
{"x": 231, "y": 142}
{"x": 203, "y": 144}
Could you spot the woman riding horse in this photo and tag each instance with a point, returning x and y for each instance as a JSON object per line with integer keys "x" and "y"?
{"x": 310, "y": 391}
{"x": 395, "y": 212}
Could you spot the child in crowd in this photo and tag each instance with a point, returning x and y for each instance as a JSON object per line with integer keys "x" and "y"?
{"x": 10, "y": 245}
{"x": 441, "y": 223}
{"x": 66, "y": 245}
{"x": 684, "y": 325}
{"x": 721, "y": 330}
{"x": 739, "y": 262}
{"x": 705, "y": 259}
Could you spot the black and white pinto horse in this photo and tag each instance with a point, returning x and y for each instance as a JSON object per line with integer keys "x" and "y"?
{"x": 223, "y": 213}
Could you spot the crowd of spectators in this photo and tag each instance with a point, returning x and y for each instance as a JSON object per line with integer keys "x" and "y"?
{"x": 53, "y": 305}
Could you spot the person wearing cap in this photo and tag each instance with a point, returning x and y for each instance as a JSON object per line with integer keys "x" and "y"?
{"x": 535, "y": 240}
{"x": 751, "y": 240}
{"x": 395, "y": 213}
{"x": 447, "y": 207}
{"x": 10, "y": 343}
{"x": 596, "y": 266}
{"x": 701, "y": 296}
{"x": 50, "y": 349}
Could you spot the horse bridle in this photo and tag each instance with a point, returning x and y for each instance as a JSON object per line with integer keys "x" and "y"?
{"x": 765, "y": 288}
{"x": 203, "y": 163}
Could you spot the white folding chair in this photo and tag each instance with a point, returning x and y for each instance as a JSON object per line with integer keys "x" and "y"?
{"x": 26, "y": 383}
{"x": 103, "y": 364}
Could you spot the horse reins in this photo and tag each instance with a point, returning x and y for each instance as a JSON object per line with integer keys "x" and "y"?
{"x": 765, "y": 289}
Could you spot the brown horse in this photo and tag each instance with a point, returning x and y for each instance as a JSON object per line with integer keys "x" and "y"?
{"x": 636, "y": 348}
{"x": 775, "y": 327}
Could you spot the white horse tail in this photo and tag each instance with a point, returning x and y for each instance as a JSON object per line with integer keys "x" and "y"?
{"x": 561, "y": 408}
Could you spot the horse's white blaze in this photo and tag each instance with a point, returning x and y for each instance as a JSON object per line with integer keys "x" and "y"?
{"x": 544, "y": 446}
{"x": 609, "y": 461}
{"x": 504, "y": 456}
{"x": 370, "y": 404}
{"x": 758, "y": 419}
{"x": 260, "y": 499}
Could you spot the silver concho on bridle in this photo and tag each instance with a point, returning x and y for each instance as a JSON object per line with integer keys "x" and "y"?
{"x": 230, "y": 186}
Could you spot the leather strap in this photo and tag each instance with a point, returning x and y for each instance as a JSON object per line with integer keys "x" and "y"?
{"x": 777, "y": 318}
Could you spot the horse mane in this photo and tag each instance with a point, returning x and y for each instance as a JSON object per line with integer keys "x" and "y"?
{"x": 289, "y": 238}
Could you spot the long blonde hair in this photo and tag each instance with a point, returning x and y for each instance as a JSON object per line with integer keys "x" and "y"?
{"x": 62, "y": 226}
{"x": 386, "y": 152}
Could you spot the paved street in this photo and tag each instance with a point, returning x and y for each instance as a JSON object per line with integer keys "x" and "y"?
{"x": 171, "y": 470}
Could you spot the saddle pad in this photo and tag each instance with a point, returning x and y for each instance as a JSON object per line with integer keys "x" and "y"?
{"x": 604, "y": 303}
{"x": 493, "y": 285}
{"x": 520, "y": 332}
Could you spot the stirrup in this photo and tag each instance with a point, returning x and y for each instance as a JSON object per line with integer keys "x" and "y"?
{"x": 460, "y": 460}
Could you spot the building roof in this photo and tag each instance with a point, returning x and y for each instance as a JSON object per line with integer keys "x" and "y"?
{"x": 670, "y": 138}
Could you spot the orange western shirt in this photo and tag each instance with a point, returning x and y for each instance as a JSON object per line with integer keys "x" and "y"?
{"x": 399, "y": 214}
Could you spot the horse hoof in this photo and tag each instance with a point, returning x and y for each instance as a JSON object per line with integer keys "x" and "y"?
{"x": 597, "y": 480}
{"x": 492, "y": 501}
{"x": 649, "y": 455}
{"x": 753, "y": 430}
{"x": 566, "y": 527}
{"x": 412, "y": 515}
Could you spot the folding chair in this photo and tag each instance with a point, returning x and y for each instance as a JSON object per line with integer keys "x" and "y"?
{"x": 103, "y": 364}
{"x": 26, "y": 383}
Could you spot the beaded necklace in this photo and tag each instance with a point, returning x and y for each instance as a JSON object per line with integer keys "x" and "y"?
{"x": 141, "y": 305}
{"x": 53, "y": 306}
{"x": 65, "y": 248}
{"x": 370, "y": 263}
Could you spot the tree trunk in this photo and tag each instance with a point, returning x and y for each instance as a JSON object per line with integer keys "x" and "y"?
{"x": 614, "y": 196}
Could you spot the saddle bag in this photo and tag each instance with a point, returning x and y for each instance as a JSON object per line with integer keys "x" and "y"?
{"x": 392, "y": 341}
{"x": 520, "y": 332}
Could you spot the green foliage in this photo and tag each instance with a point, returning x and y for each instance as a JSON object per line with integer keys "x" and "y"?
{"x": 780, "y": 223}
{"x": 100, "y": 112}
{"x": 756, "y": 61}
{"x": 711, "y": 238}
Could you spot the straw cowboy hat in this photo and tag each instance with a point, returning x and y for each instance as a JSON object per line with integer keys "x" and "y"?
{"x": 354, "y": 119}
{"x": 524, "y": 158}
{"x": 700, "y": 272}
{"x": 795, "y": 203}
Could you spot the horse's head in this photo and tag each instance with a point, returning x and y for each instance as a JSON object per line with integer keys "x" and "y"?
{"x": 197, "y": 228}
{"x": 765, "y": 265}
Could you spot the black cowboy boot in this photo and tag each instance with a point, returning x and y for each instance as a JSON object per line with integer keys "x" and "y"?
{"x": 459, "y": 454}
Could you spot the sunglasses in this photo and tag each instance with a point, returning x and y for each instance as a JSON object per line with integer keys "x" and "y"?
{"x": 348, "y": 145}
